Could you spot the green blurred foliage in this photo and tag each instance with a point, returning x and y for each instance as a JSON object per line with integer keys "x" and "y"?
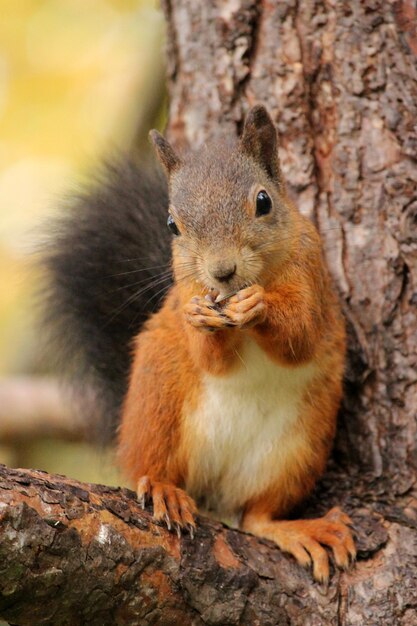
{"x": 75, "y": 79}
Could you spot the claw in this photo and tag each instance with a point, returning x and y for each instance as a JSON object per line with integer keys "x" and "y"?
{"x": 306, "y": 540}
{"x": 191, "y": 530}
{"x": 171, "y": 505}
{"x": 220, "y": 298}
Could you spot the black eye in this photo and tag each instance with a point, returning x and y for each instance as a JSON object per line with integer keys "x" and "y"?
{"x": 172, "y": 225}
{"x": 263, "y": 203}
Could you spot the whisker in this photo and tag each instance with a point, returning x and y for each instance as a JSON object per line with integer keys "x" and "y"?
{"x": 143, "y": 290}
{"x": 148, "y": 279}
{"x": 153, "y": 283}
{"x": 142, "y": 269}
{"x": 240, "y": 358}
{"x": 163, "y": 290}
{"x": 133, "y": 259}
{"x": 132, "y": 297}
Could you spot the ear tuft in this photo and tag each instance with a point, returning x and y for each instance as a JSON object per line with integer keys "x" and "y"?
{"x": 258, "y": 117}
{"x": 165, "y": 152}
{"x": 260, "y": 141}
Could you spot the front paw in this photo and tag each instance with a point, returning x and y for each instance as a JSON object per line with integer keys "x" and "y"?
{"x": 203, "y": 314}
{"x": 305, "y": 539}
{"x": 170, "y": 504}
{"x": 247, "y": 307}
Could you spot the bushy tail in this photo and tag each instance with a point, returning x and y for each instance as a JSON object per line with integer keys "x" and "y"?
{"x": 108, "y": 265}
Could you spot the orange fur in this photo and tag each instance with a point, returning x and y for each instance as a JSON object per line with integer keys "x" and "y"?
{"x": 292, "y": 316}
{"x": 301, "y": 324}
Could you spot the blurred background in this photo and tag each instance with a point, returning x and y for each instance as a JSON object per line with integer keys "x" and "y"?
{"x": 78, "y": 79}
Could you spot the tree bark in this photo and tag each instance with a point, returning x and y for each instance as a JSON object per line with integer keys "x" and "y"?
{"x": 76, "y": 554}
{"x": 340, "y": 78}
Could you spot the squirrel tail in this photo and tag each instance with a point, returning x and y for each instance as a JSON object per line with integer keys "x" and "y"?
{"x": 108, "y": 267}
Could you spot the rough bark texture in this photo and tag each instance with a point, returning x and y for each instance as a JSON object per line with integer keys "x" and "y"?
{"x": 75, "y": 554}
{"x": 340, "y": 78}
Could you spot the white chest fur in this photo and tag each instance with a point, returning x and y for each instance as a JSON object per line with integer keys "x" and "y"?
{"x": 244, "y": 430}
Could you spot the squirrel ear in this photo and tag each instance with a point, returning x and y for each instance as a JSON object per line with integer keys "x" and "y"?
{"x": 260, "y": 141}
{"x": 165, "y": 152}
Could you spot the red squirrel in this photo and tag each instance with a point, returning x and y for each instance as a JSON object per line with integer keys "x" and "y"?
{"x": 236, "y": 381}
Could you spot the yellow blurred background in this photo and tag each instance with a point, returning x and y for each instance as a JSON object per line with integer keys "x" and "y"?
{"x": 78, "y": 79}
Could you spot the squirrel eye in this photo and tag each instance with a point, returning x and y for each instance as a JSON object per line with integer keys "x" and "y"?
{"x": 172, "y": 226}
{"x": 263, "y": 203}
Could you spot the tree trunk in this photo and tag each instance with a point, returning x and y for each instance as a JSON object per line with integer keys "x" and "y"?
{"x": 340, "y": 78}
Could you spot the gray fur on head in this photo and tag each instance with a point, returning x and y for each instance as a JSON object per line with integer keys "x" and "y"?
{"x": 213, "y": 203}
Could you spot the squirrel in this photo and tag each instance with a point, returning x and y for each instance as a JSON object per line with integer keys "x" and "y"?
{"x": 227, "y": 396}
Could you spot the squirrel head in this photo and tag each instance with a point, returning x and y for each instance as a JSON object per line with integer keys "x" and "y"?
{"x": 229, "y": 213}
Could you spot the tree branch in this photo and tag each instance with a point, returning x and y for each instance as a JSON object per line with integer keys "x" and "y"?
{"x": 35, "y": 408}
{"x": 74, "y": 553}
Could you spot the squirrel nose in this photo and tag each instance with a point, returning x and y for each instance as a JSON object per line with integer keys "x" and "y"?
{"x": 224, "y": 273}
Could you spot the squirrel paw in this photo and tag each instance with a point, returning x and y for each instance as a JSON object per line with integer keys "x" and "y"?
{"x": 170, "y": 504}
{"x": 203, "y": 314}
{"x": 304, "y": 539}
{"x": 247, "y": 307}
